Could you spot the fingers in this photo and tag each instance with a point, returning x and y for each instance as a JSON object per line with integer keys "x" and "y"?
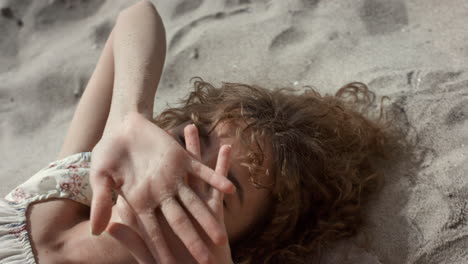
{"x": 101, "y": 204}
{"x": 196, "y": 168}
{"x": 154, "y": 238}
{"x": 185, "y": 230}
{"x": 192, "y": 143}
{"x": 125, "y": 212}
{"x": 132, "y": 241}
{"x": 156, "y": 245}
{"x": 205, "y": 173}
{"x": 202, "y": 215}
{"x": 222, "y": 168}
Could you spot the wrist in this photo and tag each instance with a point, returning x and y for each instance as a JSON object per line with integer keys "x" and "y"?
{"x": 119, "y": 120}
{"x": 132, "y": 97}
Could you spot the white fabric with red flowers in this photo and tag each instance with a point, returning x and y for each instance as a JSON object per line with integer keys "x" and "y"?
{"x": 66, "y": 178}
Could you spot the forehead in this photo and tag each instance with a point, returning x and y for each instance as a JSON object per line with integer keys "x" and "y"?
{"x": 234, "y": 133}
{"x": 228, "y": 129}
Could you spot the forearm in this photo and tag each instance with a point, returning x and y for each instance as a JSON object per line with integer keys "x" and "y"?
{"x": 127, "y": 75}
{"x": 139, "y": 48}
{"x": 93, "y": 109}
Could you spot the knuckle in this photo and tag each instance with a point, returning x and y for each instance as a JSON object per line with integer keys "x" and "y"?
{"x": 171, "y": 261}
{"x": 180, "y": 221}
{"x": 219, "y": 238}
{"x": 166, "y": 200}
{"x": 191, "y": 200}
{"x": 198, "y": 249}
{"x": 153, "y": 229}
{"x": 156, "y": 238}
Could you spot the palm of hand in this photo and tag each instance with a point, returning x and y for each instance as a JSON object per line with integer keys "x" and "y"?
{"x": 149, "y": 169}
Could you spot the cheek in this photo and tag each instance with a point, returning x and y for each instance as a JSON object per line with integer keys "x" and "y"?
{"x": 232, "y": 224}
{"x": 238, "y": 222}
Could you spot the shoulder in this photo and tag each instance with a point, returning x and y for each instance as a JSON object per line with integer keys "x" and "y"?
{"x": 64, "y": 178}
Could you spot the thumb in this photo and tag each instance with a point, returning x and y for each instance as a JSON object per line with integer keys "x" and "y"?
{"x": 134, "y": 243}
{"x": 101, "y": 204}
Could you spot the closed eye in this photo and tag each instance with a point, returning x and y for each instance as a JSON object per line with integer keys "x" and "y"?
{"x": 204, "y": 135}
{"x": 182, "y": 141}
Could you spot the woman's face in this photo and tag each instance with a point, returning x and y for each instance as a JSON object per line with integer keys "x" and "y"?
{"x": 248, "y": 204}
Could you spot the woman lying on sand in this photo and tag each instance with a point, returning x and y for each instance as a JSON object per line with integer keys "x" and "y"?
{"x": 237, "y": 173}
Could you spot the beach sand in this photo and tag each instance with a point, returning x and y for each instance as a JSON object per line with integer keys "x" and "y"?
{"x": 415, "y": 52}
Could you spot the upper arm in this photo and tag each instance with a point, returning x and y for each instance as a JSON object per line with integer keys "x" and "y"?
{"x": 60, "y": 233}
{"x": 47, "y": 221}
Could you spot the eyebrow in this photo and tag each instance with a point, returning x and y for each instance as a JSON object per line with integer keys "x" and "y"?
{"x": 239, "y": 189}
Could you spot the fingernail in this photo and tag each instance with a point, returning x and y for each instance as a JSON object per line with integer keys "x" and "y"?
{"x": 228, "y": 146}
{"x": 93, "y": 233}
{"x": 232, "y": 189}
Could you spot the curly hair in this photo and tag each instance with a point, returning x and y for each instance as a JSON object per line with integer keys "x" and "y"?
{"x": 322, "y": 149}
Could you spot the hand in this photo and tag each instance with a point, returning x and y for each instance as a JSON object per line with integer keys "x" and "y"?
{"x": 149, "y": 169}
{"x": 220, "y": 254}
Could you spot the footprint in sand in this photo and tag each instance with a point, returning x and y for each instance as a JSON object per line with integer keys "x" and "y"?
{"x": 292, "y": 35}
{"x": 433, "y": 81}
{"x": 10, "y": 26}
{"x": 186, "y": 7}
{"x": 310, "y": 3}
{"x": 285, "y": 38}
{"x": 53, "y": 92}
{"x": 459, "y": 214}
{"x": 101, "y": 32}
{"x": 450, "y": 251}
{"x": 56, "y": 12}
{"x": 6, "y": 101}
{"x": 458, "y": 114}
{"x": 230, "y": 3}
{"x": 185, "y": 30}
{"x": 14, "y": 10}
{"x": 383, "y": 16}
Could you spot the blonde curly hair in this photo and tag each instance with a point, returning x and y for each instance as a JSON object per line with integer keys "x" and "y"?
{"x": 322, "y": 149}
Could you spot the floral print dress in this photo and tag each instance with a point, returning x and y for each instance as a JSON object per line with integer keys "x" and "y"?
{"x": 66, "y": 178}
